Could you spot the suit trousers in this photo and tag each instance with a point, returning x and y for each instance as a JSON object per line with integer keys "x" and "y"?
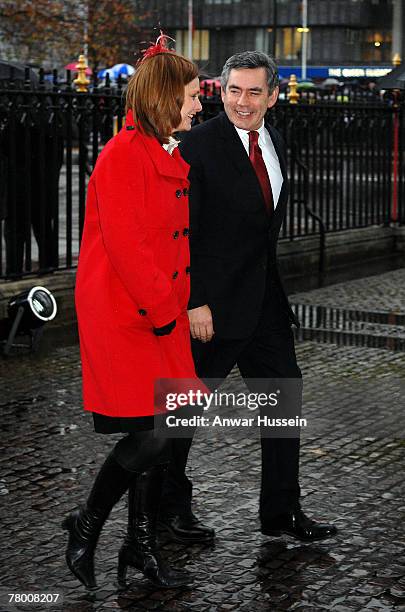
{"x": 268, "y": 353}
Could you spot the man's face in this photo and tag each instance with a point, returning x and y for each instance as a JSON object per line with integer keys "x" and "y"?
{"x": 246, "y": 98}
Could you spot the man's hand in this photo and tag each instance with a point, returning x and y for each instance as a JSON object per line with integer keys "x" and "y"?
{"x": 201, "y": 326}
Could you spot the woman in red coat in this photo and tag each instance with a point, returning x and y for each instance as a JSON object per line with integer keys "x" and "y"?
{"x": 132, "y": 291}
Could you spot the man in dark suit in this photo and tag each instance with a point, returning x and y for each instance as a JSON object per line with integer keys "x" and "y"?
{"x": 238, "y": 310}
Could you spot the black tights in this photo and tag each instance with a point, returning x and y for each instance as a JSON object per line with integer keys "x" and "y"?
{"x": 138, "y": 451}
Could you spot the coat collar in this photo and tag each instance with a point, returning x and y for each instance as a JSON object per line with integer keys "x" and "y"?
{"x": 165, "y": 164}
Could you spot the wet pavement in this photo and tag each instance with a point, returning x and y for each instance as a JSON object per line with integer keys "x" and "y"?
{"x": 369, "y": 311}
{"x": 350, "y": 475}
{"x": 378, "y": 293}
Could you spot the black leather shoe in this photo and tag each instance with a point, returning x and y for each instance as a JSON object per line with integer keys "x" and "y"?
{"x": 298, "y": 525}
{"x": 186, "y": 528}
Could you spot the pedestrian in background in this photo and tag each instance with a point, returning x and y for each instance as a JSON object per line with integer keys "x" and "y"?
{"x": 132, "y": 291}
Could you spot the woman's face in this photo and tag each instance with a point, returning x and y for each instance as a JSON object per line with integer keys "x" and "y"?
{"x": 191, "y": 105}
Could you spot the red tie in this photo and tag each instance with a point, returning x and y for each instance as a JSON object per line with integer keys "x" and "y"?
{"x": 255, "y": 156}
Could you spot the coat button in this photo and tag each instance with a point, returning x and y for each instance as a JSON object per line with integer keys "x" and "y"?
{"x": 176, "y": 235}
{"x": 175, "y": 275}
{"x": 185, "y": 192}
{"x": 186, "y": 231}
{"x": 179, "y": 193}
{"x": 142, "y": 312}
{"x": 130, "y": 127}
{"x": 188, "y": 270}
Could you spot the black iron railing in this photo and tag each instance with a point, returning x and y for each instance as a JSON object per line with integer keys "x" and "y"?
{"x": 340, "y": 157}
{"x": 49, "y": 142}
{"x": 347, "y": 152}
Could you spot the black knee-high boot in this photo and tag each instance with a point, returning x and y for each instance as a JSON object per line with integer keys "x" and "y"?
{"x": 139, "y": 549}
{"x": 84, "y": 524}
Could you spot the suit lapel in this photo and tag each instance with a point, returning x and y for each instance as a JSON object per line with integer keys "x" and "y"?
{"x": 282, "y": 199}
{"x": 281, "y": 158}
{"x": 233, "y": 144}
{"x": 236, "y": 152}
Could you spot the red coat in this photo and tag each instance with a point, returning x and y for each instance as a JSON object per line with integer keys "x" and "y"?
{"x": 133, "y": 275}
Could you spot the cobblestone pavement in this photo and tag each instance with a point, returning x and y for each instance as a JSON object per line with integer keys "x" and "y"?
{"x": 350, "y": 475}
{"x": 379, "y": 293}
{"x": 367, "y": 312}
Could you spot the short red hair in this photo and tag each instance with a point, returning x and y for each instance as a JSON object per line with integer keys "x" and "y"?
{"x": 155, "y": 93}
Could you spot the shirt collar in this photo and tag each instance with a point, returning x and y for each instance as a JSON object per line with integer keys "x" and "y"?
{"x": 171, "y": 145}
{"x": 245, "y": 133}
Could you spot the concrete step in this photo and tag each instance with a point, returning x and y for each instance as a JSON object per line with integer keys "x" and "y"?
{"x": 343, "y": 326}
{"x": 341, "y": 317}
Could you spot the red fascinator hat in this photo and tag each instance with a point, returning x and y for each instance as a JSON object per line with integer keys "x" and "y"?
{"x": 160, "y": 46}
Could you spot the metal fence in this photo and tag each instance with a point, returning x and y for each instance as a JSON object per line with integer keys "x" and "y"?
{"x": 49, "y": 142}
{"x": 340, "y": 165}
{"x": 341, "y": 161}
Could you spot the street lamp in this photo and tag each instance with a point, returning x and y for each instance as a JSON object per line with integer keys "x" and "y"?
{"x": 190, "y": 29}
{"x": 29, "y": 311}
{"x": 304, "y": 43}
{"x": 274, "y": 45}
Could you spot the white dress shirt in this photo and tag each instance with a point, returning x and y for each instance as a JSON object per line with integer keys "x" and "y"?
{"x": 270, "y": 158}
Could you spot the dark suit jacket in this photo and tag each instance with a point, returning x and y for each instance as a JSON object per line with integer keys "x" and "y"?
{"x": 232, "y": 241}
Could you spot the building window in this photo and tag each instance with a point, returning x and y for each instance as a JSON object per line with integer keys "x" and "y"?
{"x": 376, "y": 46}
{"x": 353, "y": 37}
{"x": 201, "y": 44}
{"x": 289, "y": 44}
{"x": 263, "y": 39}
